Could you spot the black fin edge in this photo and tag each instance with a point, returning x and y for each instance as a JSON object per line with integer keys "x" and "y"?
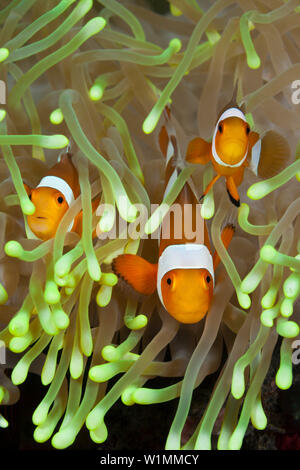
{"x": 234, "y": 201}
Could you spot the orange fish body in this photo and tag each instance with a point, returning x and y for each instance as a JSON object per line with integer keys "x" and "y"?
{"x": 52, "y": 197}
{"x": 234, "y": 147}
{"x": 184, "y": 273}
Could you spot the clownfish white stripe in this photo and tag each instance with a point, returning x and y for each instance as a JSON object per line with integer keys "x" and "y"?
{"x": 231, "y": 112}
{"x": 58, "y": 183}
{"x": 185, "y": 256}
{"x": 171, "y": 181}
{"x": 255, "y": 156}
{"x": 61, "y": 185}
{"x": 170, "y": 152}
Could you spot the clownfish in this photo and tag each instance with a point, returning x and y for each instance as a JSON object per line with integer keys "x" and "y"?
{"x": 52, "y": 198}
{"x": 234, "y": 147}
{"x": 184, "y": 275}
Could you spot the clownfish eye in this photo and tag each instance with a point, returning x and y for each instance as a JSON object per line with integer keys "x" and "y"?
{"x": 29, "y": 196}
{"x": 220, "y": 128}
{"x": 60, "y": 199}
{"x": 207, "y": 279}
{"x": 169, "y": 281}
{"x": 248, "y": 130}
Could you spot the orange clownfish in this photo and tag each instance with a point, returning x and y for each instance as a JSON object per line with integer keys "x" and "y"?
{"x": 234, "y": 147}
{"x": 184, "y": 273}
{"x": 52, "y": 197}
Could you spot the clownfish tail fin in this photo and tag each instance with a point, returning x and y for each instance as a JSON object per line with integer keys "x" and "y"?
{"x": 136, "y": 272}
{"x": 270, "y": 155}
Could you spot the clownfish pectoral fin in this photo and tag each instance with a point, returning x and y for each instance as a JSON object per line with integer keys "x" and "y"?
{"x": 232, "y": 191}
{"x": 198, "y": 151}
{"x": 274, "y": 155}
{"x": 253, "y": 138}
{"x": 226, "y": 237}
{"x": 137, "y": 272}
{"x": 209, "y": 186}
{"x": 27, "y": 188}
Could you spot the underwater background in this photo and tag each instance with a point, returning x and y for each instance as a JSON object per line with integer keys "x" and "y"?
{"x": 85, "y": 364}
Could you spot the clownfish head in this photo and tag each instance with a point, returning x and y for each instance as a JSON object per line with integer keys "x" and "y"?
{"x": 50, "y": 207}
{"x": 187, "y": 293}
{"x": 232, "y": 139}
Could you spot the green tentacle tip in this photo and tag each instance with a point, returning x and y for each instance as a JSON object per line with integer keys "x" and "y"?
{"x": 56, "y": 117}
{"x": 63, "y": 438}
{"x": 99, "y": 434}
{"x": 109, "y": 279}
{"x": 287, "y": 308}
{"x": 291, "y": 286}
{"x": 14, "y": 249}
{"x": 4, "y": 53}
{"x": 51, "y": 294}
{"x": 40, "y": 414}
{"x": 97, "y": 23}
{"x": 243, "y": 298}
{"x": 127, "y": 396}
{"x": 110, "y": 353}
{"x": 104, "y": 295}
{"x": 28, "y": 208}
{"x": 95, "y": 419}
{"x": 42, "y": 433}
{"x": 151, "y": 121}
{"x": 253, "y": 60}
{"x": 258, "y": 417}
{"x": 268, "y": 253}
{"x": 19, "y": 373}
{"x": 284, "y": 377}
{"x": 62, "y": 267}
{"x": 61, "y": 319}
{"x": 174, "y": 10}
{"x": 3, "y": 422}
{"x": 287, "y": 329}
{"x": 58, "y": 141}
{"x": 100, "y": 373}
{"x": 3, "y": 295}
{"x": 2, "y": 114}
{"x": 175, "y": 44}
{"x": 136, "y": 323}
{"x": 18, "y": 325}
{"x": 96, "y": 92}
{"x": 258, "y": 190}
{"x": 238, "y": 383}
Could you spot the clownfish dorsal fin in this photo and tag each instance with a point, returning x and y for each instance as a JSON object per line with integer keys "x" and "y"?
{"x": 65, "y": 169}
{"x": 137, "y": 272}
{"x": 233, "y": 103}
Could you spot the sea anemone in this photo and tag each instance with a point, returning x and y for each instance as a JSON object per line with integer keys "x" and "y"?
{"x": 102, "y": 73}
